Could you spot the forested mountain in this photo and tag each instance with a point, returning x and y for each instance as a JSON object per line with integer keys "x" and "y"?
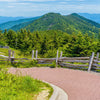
{"x": 20, "y": 26}
{"x": 10, "y": 24}
{"x": 71, "y": 23}
{"x": 94, "y": 17}
{"x": 4, "y": 19}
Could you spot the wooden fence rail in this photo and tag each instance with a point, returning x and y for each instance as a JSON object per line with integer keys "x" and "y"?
{"x": 96, "y": 63}
{"x": 73, "y": 58}
{"x": 82, "y": 61}
{"x": 70, "y": 62}
{"x": 3, "y": 58}
{"x": 73, "y": 66}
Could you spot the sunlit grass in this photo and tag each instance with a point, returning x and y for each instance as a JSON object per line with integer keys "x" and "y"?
{"x": 14, "y": 87}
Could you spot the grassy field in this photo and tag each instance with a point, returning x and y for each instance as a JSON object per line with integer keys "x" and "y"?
{"x": 14, "y": 87}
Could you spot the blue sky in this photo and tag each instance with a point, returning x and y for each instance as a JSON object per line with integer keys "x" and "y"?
{"x": 31, "y": 8}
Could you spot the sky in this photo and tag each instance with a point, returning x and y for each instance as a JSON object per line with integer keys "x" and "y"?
{"x": 32, "y": 8}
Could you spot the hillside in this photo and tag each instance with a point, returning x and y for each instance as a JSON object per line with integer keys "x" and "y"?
{"x": 71, "y": 23}
{"x": 20, "y": 26}
{"x": 87, "y": 20}
{"x": 10, "y": 24}
{"x": 94, "y": 17}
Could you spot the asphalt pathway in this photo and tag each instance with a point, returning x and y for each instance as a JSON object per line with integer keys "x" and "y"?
{"x": 79, "y": 85}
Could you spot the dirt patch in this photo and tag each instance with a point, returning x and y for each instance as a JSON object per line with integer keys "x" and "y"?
{"x": 42, "y": 95}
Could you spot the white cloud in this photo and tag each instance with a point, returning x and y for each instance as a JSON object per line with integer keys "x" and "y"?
{"x": 22, "y": 8}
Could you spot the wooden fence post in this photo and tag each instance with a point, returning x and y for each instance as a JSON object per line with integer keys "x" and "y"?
{"x": 97, "y": 58}
{"x": 36, "y": 54}
{"x": 61, "y": 54}
{"x": 91, "y": 61}
{"x": 13, "y": 54}
{"x": 57, "y": 58}
{"x": 32, "y": 54}
{"x": 9, "y": 55}
{"x": 97, "y": 55}
{"x": 12, "y": 58}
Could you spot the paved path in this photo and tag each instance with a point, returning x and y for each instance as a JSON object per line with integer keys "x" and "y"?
{"x": 79, "y": 85}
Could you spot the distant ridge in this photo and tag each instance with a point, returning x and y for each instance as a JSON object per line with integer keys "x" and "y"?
{"x": 4, "y": 19}
{"x": 94, "y": 17}
{"x": 10, "y": 24}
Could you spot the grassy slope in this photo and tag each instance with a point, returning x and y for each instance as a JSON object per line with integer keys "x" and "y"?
{"x": 13, "y": 87}
{"x": 17, "y": 53}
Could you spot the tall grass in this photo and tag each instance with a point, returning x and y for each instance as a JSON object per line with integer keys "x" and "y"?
{"x": 13, "y": 87}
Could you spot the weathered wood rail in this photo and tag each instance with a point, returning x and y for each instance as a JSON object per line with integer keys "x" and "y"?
{"x": 69, "y": 62}
{"x": 45, "y": 60}
{"x": 3, "y": 58}
{"x": 87, "y": 63}
{"x": 96, "y": 63}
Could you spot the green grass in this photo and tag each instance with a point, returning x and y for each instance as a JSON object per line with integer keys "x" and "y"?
{"x": 14, "y": 87}
{"x": 3, "y": 51}
{"x": 17, "y": 54}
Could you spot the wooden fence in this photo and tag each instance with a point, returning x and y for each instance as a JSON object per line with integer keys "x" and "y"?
{"x": 87, "y": 63}
{"x": 69, "y": 62}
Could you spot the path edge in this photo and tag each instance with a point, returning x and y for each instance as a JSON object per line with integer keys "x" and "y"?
{"x": 58, "y": 93}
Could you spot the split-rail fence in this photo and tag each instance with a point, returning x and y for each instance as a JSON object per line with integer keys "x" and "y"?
{"x": 87, "y": 63}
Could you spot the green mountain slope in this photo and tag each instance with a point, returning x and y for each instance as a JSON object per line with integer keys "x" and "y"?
{"x": 10, "y": 24}
{"x": 20, "y": 26}
{"x": 87, "y": 20}
{"x": 82, "y": 24}
{"x": 50, "y": 21}
{"x": 71, "y": 23}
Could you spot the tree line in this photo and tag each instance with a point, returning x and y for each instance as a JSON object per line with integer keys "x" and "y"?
{"x": 48, "y": 42}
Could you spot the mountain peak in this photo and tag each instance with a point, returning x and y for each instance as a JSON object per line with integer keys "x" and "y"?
{"x": 52, "y": 14}
{"x": 75, "y": 14}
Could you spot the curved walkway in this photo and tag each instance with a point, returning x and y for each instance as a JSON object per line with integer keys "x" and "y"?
{"x": 79, "y": 85}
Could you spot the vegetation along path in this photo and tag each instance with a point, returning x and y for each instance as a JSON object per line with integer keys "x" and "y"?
{"x": 79, "y": 85}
